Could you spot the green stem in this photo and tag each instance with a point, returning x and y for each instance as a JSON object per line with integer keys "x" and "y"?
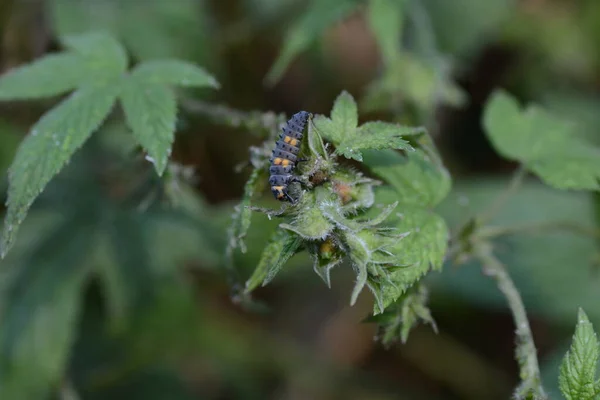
{"x": 513, "y": 186}
{"x": 525, "y": 353}
{"x": 262, "y": 124}
{"x": 538, "y": 228}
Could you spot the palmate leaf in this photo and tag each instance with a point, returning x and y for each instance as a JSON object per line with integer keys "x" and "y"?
{"x": 320, "y": 15}
{"x": 40, "y": 305}
{"x": 544, "y": 143}
{"x": 50, "y": 144}
{"x": 342, "y": 130}
{"x": 96, "y": 64}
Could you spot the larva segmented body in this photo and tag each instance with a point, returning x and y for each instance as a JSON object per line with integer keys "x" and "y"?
{"x": 285, "y": 156}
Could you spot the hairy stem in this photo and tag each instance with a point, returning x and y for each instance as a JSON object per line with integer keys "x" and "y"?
{"x": 262, "y": 124}
{"x": 525, "y": 353}
{"x": 513, "y": 187}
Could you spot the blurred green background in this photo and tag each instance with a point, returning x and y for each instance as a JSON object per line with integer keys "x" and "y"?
{"x": 117, "y": 286}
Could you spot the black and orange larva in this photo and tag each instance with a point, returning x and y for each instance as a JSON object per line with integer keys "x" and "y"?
{"x": 285, "y": 156}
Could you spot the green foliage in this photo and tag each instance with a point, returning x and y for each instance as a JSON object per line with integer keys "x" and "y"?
{"x": 390, "y": 237}
{"x": 465, "y": 25}
{"x": 385, "y": 19}
{"x": 128, "y": 253}
{"x": 173, "y": 72}
{"x": 49, "y": 145}
{"x": 151, "y": 112}
{"x": 159, "y": 29}
{"x": 413, "y": 76}
{"x": 40, "y": 305}
{"x": 319, "y": 16}
{"x": 545, "y": 144}
{"x": 39, "y": 79}
{"x": 343, "y": 130}
{"x": 282, "y": 246}
{"x": 398, "y": 320}
{"x": 95, "y": 65}
{"x": 411, "y": 80}
{"x": 541, "y": 232}
{"x": 418, "y": 181}
{"x": 577, "y": 377}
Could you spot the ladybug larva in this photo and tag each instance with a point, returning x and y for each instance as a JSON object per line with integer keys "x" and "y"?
{"x": 285, "y": 156}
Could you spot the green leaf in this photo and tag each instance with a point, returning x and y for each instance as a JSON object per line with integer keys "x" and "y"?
{"x": 360, "y": 255}
{"x": 409, "y": 79}
{"x": 50, "y": 144}
{"x": 343, "y": 131}
{"x": 343, "y": 122}
{"x": 418, "y": 182}
{"x": 40, "y": 306}
{"x": 315, "y": 141}
{"x": 281, "y": 247}
{"x": 49, "y": 76}
{"x": 243, "y": 214}
{"x": 126, "y": 274}
{"x": 400, "y": 318}
{"x": 415, "y": 176}
{"x": 151, "y": 113}
{"x": 106, "y": 56}
{"x": 174, "y": 72}
{"x": 385, "y": 21}
{"x": 423, "y": 249}
{"x": 577, "y": 379}
{"x": 537, "y": 256}
{"x": 544, "y": 143}
{"x": 93, "y": 58}
{"x": 376, "y": 135}
{"x": 320, "y": 15}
